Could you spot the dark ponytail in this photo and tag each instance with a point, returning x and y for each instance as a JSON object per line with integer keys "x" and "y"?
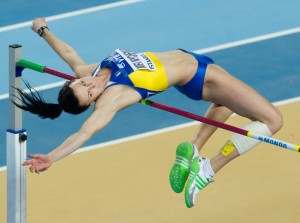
{"x": 34, "y": 103}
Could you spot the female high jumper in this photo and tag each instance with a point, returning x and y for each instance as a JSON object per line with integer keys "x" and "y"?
{"x": 124, "y": 78}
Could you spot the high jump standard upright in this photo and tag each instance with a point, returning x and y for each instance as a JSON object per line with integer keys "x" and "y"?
{"x": 15, "y": 145}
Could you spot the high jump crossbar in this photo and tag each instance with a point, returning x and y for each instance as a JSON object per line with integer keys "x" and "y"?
{"x": 250, "y": 134}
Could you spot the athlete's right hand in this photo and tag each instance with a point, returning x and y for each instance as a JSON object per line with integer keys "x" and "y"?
{"x": 38, "y": 23}
{"x": 39, "y": 162}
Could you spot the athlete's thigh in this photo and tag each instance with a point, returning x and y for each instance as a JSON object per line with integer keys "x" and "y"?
{"x": 222, "y": 88}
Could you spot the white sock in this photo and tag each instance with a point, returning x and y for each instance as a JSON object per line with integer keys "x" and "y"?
{"x": 207, "y": 169}
{"x": 195, "y": 150}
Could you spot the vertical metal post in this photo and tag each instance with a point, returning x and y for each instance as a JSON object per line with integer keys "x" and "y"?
{"x": 16, "y": 146}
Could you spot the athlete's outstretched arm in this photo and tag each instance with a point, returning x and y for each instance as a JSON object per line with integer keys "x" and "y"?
{"x": 113, "y": 100}
{"x": 97, "y": 121}
{"x": 66, "y": 52}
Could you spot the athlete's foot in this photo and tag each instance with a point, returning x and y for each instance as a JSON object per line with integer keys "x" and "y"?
{"x": 196, "y": 181}
{"x": 185, "y": 153}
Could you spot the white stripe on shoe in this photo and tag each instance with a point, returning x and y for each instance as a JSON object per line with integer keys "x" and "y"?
{"x": 182, "y": 161}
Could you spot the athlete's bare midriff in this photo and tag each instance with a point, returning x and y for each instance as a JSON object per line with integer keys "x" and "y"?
{"x": 179, "y": 66}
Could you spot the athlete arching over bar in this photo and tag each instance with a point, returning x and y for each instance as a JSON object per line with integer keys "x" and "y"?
{"x": 124, "y": 78}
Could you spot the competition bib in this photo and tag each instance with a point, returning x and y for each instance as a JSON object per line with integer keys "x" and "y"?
{"x": 130, "y": 61}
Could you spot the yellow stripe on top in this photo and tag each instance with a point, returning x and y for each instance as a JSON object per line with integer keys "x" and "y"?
{"x": 151, "y": 80}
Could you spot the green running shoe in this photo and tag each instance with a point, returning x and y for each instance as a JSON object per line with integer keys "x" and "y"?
{"x": 185, "y": 152}
{"x": 196, "y": 182}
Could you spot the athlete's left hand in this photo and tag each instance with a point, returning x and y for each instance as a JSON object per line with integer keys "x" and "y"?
{"x": 39, "y": 162}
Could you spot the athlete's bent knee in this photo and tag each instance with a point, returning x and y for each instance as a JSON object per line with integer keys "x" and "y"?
{"x": 276, "y": 122}
{"x": 242, "y": 143}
